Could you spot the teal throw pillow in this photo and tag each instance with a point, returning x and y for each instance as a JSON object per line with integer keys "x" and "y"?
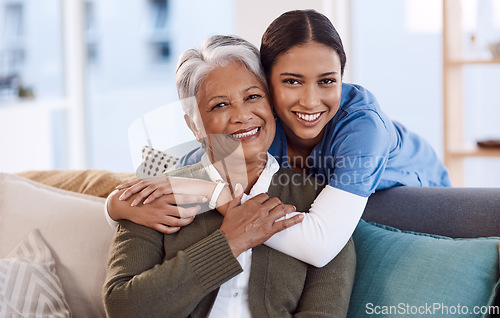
{"x": 408, "y": 274}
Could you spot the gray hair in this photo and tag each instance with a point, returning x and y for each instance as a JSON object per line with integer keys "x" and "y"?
{"x": 216, "y": 51}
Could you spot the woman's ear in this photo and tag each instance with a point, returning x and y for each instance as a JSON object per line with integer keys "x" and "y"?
{"x": 192, "y": 127}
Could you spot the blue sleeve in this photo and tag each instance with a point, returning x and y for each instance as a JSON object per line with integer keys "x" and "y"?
{"x": 192, "y": 157}
{"x": 354, "y": 95}
{"x": 360, "y": 153}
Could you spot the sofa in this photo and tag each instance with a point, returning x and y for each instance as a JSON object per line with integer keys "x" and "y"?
{"x": 53, "y": 221}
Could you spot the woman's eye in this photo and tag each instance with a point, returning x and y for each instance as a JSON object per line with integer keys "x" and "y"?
{"x": 291, "y": 81}
{"x": 253, "y": 96}
{"x": 328, "y": 81}
{"x": 219, "y": 105}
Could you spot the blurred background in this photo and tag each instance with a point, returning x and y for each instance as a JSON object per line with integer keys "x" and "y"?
{"x": 76, "y": 74}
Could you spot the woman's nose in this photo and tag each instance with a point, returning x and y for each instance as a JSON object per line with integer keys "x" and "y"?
{"x": 241, "y": 113}
{"x": 311, "y": 97}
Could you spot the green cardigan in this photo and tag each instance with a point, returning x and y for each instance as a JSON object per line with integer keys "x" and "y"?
{"x": 151, "y": 274}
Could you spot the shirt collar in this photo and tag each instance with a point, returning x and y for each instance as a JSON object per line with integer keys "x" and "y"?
{"x": 263, "y": 182}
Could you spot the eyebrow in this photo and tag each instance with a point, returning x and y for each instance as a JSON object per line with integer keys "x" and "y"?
{"x": 255, "y": 86}
{"x": 214, "y": 97}
{"x": 301, "y": 76}
{"x": 244, "y": 91}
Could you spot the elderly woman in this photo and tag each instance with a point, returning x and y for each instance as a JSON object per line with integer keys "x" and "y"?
{"x": 217, "y": 266}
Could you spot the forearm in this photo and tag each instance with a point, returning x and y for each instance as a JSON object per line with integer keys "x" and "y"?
{"x": 117, "y": 209}
{"x": 141, "y": 283}
{"x": 191, "y": 186}
{"x": 200, "y": 187}
{"x": 325, "y": 230}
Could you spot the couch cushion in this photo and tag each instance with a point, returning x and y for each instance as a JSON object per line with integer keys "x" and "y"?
{"x": 29, "y": 285}
{"x": 421, "y": 274}
{"x": 73, "y": 226}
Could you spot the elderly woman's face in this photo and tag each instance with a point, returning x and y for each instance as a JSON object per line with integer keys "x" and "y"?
{"x": 234, "y": 108}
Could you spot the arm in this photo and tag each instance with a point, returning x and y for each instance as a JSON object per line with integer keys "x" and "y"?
{"x": 327, "y": 290}
{"x": 170, "y": 216}
{"x": 325, "y": 229}
{"x": 162, "y": 216}
{"x": 145, "y": 284}
{"x": 359, "y": 160}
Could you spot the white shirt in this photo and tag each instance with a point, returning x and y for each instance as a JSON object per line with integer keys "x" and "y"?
{"x": 232, "y": 298}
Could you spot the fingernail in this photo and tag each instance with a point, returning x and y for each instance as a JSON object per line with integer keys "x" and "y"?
{"x": 238, "y": 188}
{"x": 204, "y": 199}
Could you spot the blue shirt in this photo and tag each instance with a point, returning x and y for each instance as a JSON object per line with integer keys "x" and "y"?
{"x": 362, "y": 150}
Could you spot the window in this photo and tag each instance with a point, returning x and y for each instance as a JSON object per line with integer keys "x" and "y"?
{"x": 160, "y": 8}
{"x": 13, "y": 27}
{"x": 91, "y": 32}
{"x": 11, "y": 51}
{"x": 160, "y": 31}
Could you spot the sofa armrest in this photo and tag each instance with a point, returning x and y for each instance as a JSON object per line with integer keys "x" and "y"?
{"x": 453, "y": 212}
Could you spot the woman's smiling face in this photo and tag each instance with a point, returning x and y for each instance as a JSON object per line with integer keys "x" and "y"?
{"x": 306, "y": 86}
{"x": 234, "y": 108}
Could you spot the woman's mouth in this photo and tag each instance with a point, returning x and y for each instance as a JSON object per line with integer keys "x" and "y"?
{"x": 245, "y": 134}
{"x": 308, "y": 119}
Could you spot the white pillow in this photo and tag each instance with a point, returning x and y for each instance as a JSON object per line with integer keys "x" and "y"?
{"x": 74, "y": 228}
{"x": 29, "y": 285}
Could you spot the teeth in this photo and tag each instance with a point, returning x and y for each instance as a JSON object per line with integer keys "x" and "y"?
{"x": 307, "y": 117}
{"x": 246, "y": 134}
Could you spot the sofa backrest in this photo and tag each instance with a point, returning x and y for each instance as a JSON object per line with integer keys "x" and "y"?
{"x": 453, "y": 212}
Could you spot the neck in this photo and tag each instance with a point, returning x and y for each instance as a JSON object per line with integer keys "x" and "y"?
{"x": 237, "y": 170}
{"x": 298, "y": 149}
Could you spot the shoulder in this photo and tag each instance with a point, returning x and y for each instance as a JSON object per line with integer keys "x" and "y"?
{"x": 194, "y": 171}
{"x": 359, "y": 106}
{"x": 191, "y": 157}
{"x": 356, "y": 95}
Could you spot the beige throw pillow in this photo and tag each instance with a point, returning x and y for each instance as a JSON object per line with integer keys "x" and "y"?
{"x": 29, "y": 286}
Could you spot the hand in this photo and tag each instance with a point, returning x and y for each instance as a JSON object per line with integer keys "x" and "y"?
{"x": 149, "y": 190}
{"x": 162, "y": 214}
{"x": 252, "y": 223}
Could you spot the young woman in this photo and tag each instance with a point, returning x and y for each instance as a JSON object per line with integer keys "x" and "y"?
{"x": 329, "y": 129}
{"x": 216, "y": 266}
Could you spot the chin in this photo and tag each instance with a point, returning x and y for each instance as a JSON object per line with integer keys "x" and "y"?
{"x": 252, "y": 154}
{"x": 306, "y": 135}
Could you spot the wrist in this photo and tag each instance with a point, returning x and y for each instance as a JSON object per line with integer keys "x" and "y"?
{"x": 111, "y": 209}
{"x": 223, "y": 202}
{"x": 220, "y": 185}
{"x": 233, "y": 244}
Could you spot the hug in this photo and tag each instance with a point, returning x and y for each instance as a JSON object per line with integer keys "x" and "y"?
{"x": 261, "y": 248}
